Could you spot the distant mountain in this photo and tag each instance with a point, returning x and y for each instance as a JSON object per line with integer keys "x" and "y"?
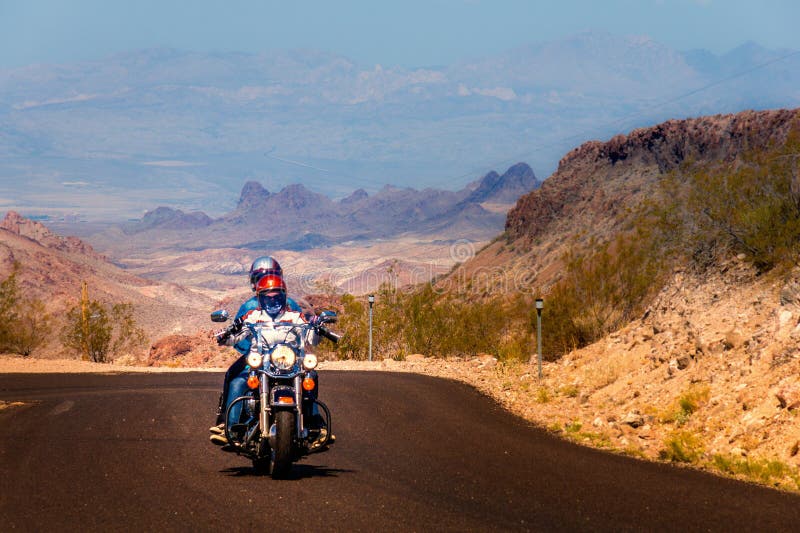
{"x": 184, "y": 129}
{"x": 296, "y": 218}
{"x": 168, "y": 218}
{"x": 506, "y": 188}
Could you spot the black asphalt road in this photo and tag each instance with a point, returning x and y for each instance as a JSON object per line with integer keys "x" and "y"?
{"x": 131, "y": 452}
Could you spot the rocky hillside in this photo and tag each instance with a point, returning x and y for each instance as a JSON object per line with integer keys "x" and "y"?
{"x": 598, "y": 184}
{"x": 52, "y": 268}
{"x": 707, "y": 374}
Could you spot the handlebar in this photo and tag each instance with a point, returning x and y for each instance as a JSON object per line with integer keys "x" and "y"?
{"x": 328, "y": 334}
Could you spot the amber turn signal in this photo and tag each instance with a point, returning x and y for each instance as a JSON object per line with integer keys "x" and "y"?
{"x": 252, "y": 382}
{"x": 308, "y": 384}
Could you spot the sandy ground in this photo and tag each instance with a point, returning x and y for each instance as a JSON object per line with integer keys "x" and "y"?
{"x": 11, "y": 364}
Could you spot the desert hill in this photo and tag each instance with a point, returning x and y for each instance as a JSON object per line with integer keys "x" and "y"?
{"x": 597, "y": 184}
{"x": 707, "y": 373}
{"x": 51, "y": 269}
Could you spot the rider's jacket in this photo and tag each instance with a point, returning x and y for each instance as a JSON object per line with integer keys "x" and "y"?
{"x": 273, "y": 333}
{"x": 243, "y": 346}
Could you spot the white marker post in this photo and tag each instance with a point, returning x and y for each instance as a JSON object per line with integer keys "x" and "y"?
{"x": 539, "y": 307}
{"x": 371, "y": 299}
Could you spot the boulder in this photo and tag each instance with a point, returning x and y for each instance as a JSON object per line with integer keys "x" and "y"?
{"x": 633, "y": 419}
{"x": 788, "y": 394}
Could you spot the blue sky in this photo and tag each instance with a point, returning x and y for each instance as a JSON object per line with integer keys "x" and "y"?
{"x": 410, "y": 33}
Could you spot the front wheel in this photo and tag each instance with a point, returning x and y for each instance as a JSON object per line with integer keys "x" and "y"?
{"x": 282, "y": 453}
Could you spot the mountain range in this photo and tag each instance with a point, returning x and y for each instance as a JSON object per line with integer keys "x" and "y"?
{"x": 296, "y": 218}
{"x": 108, "y": 139}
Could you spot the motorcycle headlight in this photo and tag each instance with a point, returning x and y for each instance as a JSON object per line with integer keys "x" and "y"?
{"x": 254, "y": 359}
{"x": 310, "y": 361}
{"x": 283, "y": 357}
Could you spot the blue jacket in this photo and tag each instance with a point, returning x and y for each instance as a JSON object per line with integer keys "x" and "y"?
{"x": 243, "y": 346}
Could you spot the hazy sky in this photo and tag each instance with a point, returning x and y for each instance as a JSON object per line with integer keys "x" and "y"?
{"x": 404, "y": 32}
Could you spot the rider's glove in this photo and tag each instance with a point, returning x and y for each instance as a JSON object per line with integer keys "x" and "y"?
{"x": 223, "y": 336}
{"x": 314, "y": 320}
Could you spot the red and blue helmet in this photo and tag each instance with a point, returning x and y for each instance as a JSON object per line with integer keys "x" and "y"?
{"x": 263, "y": 266}
{"x": 271, "y": 293}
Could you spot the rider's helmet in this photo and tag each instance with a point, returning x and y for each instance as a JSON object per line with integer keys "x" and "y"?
{"x": 263, "y": 266}
{"x": 271, "y": 292}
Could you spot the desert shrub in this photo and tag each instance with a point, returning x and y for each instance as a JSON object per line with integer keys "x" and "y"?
{"x": 749, "y": 206}
{"x": 603, "y": 289}
{"x": 353, "y": 325}
{"x": 24, "y": 321}
{"x": 128, "y": 336}
{"x": 29, "y": 329}
{"x": 693, "y": 398}
{"x": 89, "y": 334}
{"x": 763, "y": 470}
{"x": 422, "y": 321}
{"x": 685, "y": 405}
{"x": 101, "y": 332}
{"x": 570, "y": 391}
{"x": 9, "y": 297}
{"x": 543, "y": 395}
{"x": 683, "y": 447}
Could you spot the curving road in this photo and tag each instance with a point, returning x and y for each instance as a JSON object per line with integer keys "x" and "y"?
{"x": 130, "y": 452}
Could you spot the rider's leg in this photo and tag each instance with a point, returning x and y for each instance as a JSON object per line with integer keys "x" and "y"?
{"x": 235, "y": 369}
{"x": 238, "y": 387}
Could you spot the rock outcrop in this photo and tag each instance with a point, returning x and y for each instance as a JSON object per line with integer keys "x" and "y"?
{"x": 39, "y": 233}
{"x": 597, "y": 180}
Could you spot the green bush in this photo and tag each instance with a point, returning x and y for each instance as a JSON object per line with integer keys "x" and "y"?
{"x": 762, "y": 470}
{"x": 750, "y": 206}
{"x": 683, "y": 447}
{"x": 88, "y": 333}
{"x": 100, "y": 331}
{"x": 603, "y": 288}
{"x": 420, "y": 320}
{"x": 24, "y": 322}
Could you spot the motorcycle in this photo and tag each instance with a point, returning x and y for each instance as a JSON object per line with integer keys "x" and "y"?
{"x": 274, "y": 427}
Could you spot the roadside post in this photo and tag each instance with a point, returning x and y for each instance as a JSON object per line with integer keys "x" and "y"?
{"x": 539, "y": 307}
{"x": 371, "y": 299}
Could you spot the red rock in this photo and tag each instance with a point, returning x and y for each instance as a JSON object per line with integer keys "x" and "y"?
{"x": 788, "y": 393}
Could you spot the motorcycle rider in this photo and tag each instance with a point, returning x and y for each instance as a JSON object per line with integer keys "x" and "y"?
{"x": 272, "y": 307}
{"x": 261, "y": 266}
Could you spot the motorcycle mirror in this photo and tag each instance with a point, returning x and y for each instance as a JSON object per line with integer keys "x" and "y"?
{"x": 220, "y": 315}
{"x": 328, "y": 317}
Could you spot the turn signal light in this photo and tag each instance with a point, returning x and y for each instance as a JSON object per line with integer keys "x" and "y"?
{"x": 308, "y": 384}
{"x": 252, "y": 382}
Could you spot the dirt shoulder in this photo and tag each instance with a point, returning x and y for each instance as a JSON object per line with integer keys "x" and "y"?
{"x": 13, "y": 364}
